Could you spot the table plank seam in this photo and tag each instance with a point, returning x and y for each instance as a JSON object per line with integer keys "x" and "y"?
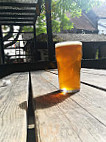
{"x": 59, "y": 108}
{"x": 94, "y": 86}
{"x": 81, "y": 105}
{"x": 78, "y": 134}
{"x": 85, "y": 123}
{"x": 93, "y": 73}
{"x": 88, "y": 112}
{"x": 49, "y": 82}
{"x": 51, "y": 72}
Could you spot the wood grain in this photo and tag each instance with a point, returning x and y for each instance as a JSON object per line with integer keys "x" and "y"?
{"x": 92, "y": 77}
{"x": 40, "y": 84}
{"x": 67, "y": 118}
{"x": 13, "y": 106}
{"x": 94, "y": 100}
{"x": 94, "y": 71}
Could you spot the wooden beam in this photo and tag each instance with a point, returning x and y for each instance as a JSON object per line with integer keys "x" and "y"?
{"x": 17, "y": 20}
{"x": 17, "y": 15}
{"x": 12, "y": 4}
{"x": 17, "y": 32}
{"x": 17, "y": 11}
{"x": 35, "y": 46}
{"x": 49, "y": 30}
{"x": 17, "y": 24}
{"x": 14, "y": 18}
{"x": 19, "y": 54}
{"x": 2, "y": 56}
{"x": 38, "y": 9}
{"x": 18, "y": 40}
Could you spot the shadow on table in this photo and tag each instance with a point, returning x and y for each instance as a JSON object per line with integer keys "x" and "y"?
{"x": 47, "y": 100}
{"x": 50, "y": 99}
{"x": 23, "y": 105}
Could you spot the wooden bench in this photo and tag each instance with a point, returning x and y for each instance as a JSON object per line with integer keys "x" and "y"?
{"x": 80, "y": 117}
{"x": 13, "y": 107}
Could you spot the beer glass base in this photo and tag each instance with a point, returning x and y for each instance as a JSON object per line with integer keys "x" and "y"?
{"x": 69, "y": 91}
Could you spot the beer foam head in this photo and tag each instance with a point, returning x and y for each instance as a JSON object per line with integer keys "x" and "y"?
{"x": 67, "y": 43}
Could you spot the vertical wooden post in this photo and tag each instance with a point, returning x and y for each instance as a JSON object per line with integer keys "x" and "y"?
{"x": 35, "y": 46}
{"x": 2, "y": 56}
{"x": 49, "y": 30}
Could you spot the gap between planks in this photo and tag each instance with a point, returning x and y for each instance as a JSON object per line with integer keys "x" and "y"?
{"x": 94, "y": 90}
{"x": 91, "y": 121}
{"x": 92, "y": 84}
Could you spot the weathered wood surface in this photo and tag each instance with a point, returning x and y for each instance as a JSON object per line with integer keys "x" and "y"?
{"x": 93, "y": 77}
{"x": 94, "y": 71}
{"x": 13, "y": 106}
{"x": 67, "y": 118}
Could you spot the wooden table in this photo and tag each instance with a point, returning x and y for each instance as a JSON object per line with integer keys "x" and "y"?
{"x": 13, "y": 108}
{"x": 80, "y": 117}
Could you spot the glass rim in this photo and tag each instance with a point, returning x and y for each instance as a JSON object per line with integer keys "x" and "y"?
{"x": 67, "y": 43}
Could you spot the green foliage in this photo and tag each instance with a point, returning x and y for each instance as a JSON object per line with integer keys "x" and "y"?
{"x": 27, "y": 29}
{"x": 70, "y": 6}
{"x": 60, "y": 8}
{"x": 67, "y": 25}
{"x": 55, "y": 26}
{"x": 41, "y": 24}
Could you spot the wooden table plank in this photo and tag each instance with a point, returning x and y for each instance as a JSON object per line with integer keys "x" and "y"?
{"x": 89, "y": 71}
{"x": 79, "y": 118}
{"x": 92, "y": 77}
{"x": 89, "y": 97}
{"x": 94, "y": 71}
{"x": 40, "y": 84}
{"x": 13, "y": 106}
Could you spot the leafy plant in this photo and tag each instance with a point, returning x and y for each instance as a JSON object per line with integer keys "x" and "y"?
{"x": 59, "y": 10}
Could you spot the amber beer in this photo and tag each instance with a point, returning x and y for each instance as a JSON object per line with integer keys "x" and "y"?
{"x": 68, "y": 56}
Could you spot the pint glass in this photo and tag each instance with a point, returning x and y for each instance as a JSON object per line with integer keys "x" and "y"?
{"x": 68, "y": 56}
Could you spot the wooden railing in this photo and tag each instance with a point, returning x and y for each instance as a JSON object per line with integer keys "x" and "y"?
{"x": 23, "y": 67}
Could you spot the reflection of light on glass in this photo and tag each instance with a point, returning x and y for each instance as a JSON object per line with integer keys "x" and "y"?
{"x": 64, "y": 90}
